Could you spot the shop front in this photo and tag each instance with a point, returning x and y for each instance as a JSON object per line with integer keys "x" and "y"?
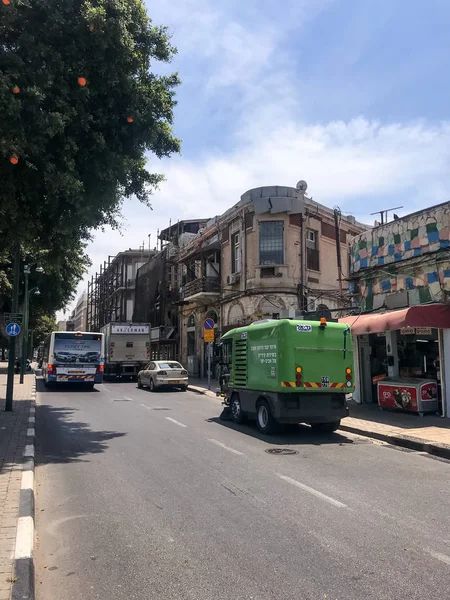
{"x": 402, "y": 358}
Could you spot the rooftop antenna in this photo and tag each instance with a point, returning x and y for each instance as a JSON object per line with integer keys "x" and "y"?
{"x": 384, "y": 214}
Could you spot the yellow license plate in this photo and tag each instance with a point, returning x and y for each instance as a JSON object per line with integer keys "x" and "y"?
{"x": 76, "y": 372}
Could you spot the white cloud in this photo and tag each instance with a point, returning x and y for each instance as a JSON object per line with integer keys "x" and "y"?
{"x": 360, "y": 165}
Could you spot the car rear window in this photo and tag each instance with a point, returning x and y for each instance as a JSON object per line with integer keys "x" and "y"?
{"x": 169, "y": 365}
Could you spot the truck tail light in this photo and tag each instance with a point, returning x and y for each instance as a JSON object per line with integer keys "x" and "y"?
{"x": 100, "y": 369}
{"x": 348, "y": 374}
{"x": 323, "y": 323}
{"x": 51, "y": 369}
{"x": 298, "y": 376}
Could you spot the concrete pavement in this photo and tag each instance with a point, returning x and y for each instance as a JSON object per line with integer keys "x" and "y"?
{"x": 147, "y": 495}
{"x": 16, "y": 490}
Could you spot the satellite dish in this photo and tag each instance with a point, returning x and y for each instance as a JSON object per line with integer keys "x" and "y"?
{"x": 301, "y": 186}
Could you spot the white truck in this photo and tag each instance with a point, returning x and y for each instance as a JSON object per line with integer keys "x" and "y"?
{"x": 127, "y": 348}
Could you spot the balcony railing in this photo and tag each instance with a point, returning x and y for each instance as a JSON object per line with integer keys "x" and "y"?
{"x": 203, "y": 285}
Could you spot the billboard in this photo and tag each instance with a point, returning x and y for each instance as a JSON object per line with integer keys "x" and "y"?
{"x": 77, "y": 351}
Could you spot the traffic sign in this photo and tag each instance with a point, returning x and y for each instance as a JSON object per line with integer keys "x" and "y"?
{"x": 13, "y": 317}
{"x": 13, "y": 329}
{"x": 208, "y": 335}
{"x": 208, "y": 324}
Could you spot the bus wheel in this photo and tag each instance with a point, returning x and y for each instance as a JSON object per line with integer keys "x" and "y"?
{"x": 326, "y": 427}
{"x": 264, "y": 420}
{"x": 237, "y": 415}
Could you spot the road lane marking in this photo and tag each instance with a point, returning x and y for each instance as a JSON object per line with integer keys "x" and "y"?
{"x": 226, "y": 447}
{"x": 176, "y": 422}
{"x": 442, "y": 557}
{"x": 312, "y": 491}
{"x": 128, "y": 398}
{"x": 147, "y": 407}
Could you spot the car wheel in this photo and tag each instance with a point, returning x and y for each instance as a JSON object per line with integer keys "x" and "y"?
{"x": 264, "y": 419}
{"x": 152, "y": 386}
{"x": 326, "y": 427}
{"x": 139, "y": 383}
{"x": 237, "y": 414}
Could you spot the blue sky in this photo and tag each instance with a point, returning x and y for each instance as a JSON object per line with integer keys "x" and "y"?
{"x": 350, "y": 95}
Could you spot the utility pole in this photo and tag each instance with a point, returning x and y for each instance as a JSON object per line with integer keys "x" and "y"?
{"x": 301, "y": 188}
{"x": 12, "y": 339}
{"x": 337, "y": 220}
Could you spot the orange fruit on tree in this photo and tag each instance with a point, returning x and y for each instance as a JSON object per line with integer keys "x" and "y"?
{"x": 6, "y": 2}
{"x": 16, "y": 89}
{"x": 82, "y": 81}
{"x": 14, "y": 159}
{"x": 130, "y": 119}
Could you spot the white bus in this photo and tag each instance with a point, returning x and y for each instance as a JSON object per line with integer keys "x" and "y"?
{"x": 73, "y": 357}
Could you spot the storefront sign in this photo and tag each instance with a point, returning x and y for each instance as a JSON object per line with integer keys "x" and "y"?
{"x": 408, "y": 330}
{"x": 424, "y": 330}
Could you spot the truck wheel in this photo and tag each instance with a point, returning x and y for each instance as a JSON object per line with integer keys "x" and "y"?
{"x": 139, "y": 383}
{"x": 326, "y": 427}
{"x": 264, "y": 419}
{"x": 237, "y": 415}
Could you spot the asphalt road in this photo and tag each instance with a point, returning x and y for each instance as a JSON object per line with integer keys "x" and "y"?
{"x": 150, "y": 496}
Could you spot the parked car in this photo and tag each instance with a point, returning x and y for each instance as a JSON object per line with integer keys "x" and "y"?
{"x": 163, "y": 373}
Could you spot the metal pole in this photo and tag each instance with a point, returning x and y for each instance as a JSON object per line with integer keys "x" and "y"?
{"x": 25, "y": 326}
{"x": 209, "y": 364}
{"x": 337, "y": 215}
{"x": 31, "y": 344}
{"x": 12, "y": 339}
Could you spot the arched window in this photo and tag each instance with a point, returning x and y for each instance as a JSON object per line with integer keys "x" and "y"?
{"x": 191, "y": 321}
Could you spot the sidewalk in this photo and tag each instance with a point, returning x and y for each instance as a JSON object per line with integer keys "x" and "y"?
{"x": 429, "y": 433}
{"x": 15, "y": 435}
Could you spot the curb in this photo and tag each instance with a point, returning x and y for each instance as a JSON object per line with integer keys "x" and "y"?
{"x": 418, "y": 444}
{"x": 202, "y": 391}
{"x": 23, "y": 587}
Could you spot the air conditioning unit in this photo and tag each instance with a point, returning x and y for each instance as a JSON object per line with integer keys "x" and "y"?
{"x": 233, "y": 278}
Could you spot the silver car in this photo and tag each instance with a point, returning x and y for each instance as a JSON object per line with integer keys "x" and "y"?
{"x": 163, "y": 373}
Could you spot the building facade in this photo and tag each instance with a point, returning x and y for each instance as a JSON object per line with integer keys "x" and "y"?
{"x": 274, "y": 254}
{"x": 157, "y": 289}
{"x": 400, "y": 281}
{"x": 79, "y": 313}
{"x": 111, "y": 291}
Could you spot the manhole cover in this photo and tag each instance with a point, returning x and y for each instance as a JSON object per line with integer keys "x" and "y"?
{"x": 162, "y": 408}
{"x": 282, "y": 451}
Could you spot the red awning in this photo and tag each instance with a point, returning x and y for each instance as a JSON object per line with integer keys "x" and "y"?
{"x": 425, "y": 315}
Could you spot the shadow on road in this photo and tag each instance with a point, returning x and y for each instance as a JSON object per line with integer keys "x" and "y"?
{"x": 299, "y": 435}
{"x": 63, "y": 387}
{"x": 62, "y": 439}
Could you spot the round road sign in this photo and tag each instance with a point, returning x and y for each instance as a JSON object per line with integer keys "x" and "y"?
{"x": 208, "y": 324}
{"x": 13, "y": 329}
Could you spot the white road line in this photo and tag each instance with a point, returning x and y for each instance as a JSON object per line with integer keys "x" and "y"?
{"x": 226, "y": 447}
{"x": 312, "y": 491}
{"x": 128, "y": 398}
{"x": 176, "y": 422}
{"x": 147, "y": 407}
{"x": 442, "y": 557}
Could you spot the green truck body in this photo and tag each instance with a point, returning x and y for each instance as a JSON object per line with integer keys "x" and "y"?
{"x": 298, "y": 371}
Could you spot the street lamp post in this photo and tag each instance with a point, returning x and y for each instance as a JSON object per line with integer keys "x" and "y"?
{"x": 26, "y": 271}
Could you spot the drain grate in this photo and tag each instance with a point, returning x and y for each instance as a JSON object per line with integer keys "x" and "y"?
{"x": 161, "y": 408}
{"x": 282, "y": 451}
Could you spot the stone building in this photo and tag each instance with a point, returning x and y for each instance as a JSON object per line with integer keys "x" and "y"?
{"x": 273, "y": 254}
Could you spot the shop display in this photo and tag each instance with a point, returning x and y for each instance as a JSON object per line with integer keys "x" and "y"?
{"x": 408, "y": 394}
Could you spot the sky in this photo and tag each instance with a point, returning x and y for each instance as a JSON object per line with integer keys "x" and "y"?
{"x": 350, "y": 95}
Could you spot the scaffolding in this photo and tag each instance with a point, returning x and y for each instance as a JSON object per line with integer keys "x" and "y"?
{"x": 112, "y": 287}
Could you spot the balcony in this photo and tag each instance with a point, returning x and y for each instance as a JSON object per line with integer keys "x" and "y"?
{"x": 202, "y": 288}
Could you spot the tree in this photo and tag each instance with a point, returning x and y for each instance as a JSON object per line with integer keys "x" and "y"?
{"x": 80, "y": 109}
